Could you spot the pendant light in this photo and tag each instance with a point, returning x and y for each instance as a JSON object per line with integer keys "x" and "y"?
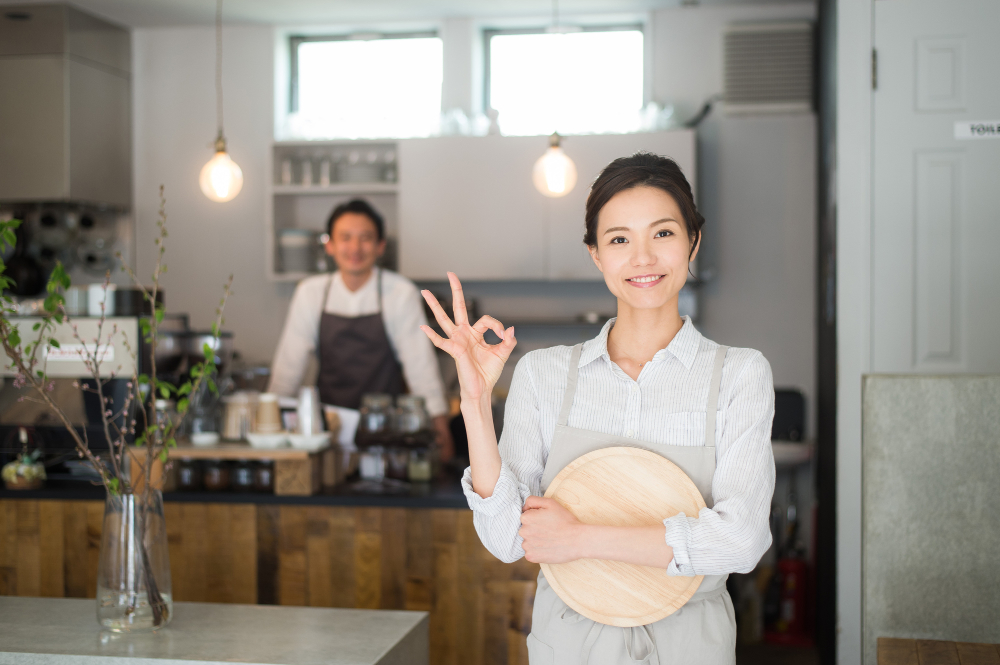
{"x": 555, "y": 173}
{"x": 221, "y": 178}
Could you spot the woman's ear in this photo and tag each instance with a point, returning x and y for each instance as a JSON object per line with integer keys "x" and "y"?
{"x": 593, "y": 255}
{"x": 694, "y": 252}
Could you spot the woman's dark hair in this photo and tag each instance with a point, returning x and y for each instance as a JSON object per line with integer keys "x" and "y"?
{"x": 643, "y": 169}
{"x": 361, "y": 207}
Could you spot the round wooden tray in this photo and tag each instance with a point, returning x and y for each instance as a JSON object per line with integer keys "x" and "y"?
{"x": 622, "y": 486}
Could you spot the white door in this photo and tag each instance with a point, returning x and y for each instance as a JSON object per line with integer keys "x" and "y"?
{"x": 936, "y": 198}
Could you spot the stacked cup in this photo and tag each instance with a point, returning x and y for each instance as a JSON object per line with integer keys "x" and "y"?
{"x": 268, "y": 414}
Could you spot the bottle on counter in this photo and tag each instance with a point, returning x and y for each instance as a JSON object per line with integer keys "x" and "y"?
{"x": 216, "y": 475}
{"x": 242, "y": 476}
{"x": 188, "y": 475}
{"x": 263, "y": 476}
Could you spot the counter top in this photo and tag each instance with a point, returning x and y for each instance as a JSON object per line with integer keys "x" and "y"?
{"x": 444, "y": 493}
{"x": 64, "y": 631}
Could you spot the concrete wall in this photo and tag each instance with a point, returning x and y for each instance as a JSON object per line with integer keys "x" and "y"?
{"x": 931, "y": 568}
{"x": 175, "y": 124}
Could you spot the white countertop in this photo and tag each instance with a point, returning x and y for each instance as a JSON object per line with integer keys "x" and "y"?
{"x": 64, "y": 631}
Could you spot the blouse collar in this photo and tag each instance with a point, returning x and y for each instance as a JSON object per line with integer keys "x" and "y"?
{"x": 684, "y": 345}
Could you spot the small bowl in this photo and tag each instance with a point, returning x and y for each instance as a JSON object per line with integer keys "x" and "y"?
{"x": 310, "y": 442}
{"x": 204, "y": 438}
{"x": 261, "y": 440}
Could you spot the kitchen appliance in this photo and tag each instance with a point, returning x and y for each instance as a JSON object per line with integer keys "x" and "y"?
{"x": 67, "y": 372}
{"x": 622, "y": 486}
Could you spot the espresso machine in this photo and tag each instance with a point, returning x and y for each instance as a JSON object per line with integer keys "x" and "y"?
{"x": 25, "y": 419}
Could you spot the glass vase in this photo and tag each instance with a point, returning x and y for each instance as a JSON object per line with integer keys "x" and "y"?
{"x": 133, "y": 578}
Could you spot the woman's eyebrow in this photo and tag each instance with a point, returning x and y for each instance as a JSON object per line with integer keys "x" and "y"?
{"x": 652, "y": 224}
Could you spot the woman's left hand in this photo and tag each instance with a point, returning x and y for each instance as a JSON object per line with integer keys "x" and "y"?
{"x": 551, "y": 533}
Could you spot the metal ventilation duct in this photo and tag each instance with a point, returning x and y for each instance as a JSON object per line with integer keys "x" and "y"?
{"x": 65, "y": 107}
{"x": 769, "y": 67}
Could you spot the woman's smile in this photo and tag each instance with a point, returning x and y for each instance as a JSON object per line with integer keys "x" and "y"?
{"x": 645, "y": 281}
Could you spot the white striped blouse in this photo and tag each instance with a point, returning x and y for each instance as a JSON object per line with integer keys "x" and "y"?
{"x": 666, "y": 405}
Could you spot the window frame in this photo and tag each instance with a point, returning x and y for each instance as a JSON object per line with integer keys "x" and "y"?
{"x": 489, "y": 33}
{"x": 294, "y": 41}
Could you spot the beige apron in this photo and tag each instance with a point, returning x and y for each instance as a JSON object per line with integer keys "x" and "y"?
{"x": 702, "y": 632}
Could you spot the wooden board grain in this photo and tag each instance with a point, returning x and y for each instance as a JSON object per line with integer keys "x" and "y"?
{"x": 970, "y": 653}
{"x": 622, "y": 486}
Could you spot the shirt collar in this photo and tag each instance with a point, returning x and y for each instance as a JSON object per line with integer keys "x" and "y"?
{"x": 684, "y": 345}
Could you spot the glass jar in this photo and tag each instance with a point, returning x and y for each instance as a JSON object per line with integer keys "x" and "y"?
{"x": 263, "y": 476}
{"x": 166, "y": 413}
{"x": 371, "y": 463}
{"x": 242, "y": 476}
{"x": 420, "y": 469}
{"x": 188, "y": 475}
{"x": 413, "y": 423}
{"x": 216, "y": 475}
{"x": 375, "y": 427}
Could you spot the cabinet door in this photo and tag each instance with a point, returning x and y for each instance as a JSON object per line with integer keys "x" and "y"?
{"x": 568, "y": 258}
{"x": 467, "y": 204}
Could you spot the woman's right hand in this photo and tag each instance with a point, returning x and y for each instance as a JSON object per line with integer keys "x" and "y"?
{"x": 479, "y": 364}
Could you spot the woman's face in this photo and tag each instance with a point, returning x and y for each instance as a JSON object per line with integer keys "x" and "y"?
{"x": 642, "y": 247}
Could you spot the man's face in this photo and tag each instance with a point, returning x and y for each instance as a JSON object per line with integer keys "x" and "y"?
{"x": 354, "y": 243}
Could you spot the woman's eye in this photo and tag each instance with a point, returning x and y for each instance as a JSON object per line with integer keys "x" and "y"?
{"x": 618, "y": 240}
{"x": 663, "y": 233}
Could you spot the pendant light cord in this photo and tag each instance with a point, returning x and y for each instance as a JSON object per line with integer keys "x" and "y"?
{"x": 218, "y": 74}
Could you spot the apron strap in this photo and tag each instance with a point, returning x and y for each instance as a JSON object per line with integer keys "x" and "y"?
{"x": 574, "y": 362}
{"x": 713, "y": 397}
{"x": 326, "y": 296}
{"x": 378, "y": 289}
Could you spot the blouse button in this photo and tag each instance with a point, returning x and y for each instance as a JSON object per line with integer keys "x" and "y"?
{"x": 630, "y": 434}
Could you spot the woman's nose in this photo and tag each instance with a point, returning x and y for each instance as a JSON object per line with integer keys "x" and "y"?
{"x": 642, "y": 254}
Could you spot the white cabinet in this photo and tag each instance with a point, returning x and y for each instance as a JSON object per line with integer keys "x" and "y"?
{"x": 467, "y": 204}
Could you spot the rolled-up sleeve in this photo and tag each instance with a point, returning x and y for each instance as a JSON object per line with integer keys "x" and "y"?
{"x": 733, "y": 535}
{"x": 298, "y": 340}
{"x": 498, "y": 518}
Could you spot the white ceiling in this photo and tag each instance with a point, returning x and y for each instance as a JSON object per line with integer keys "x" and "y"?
{"x": 157, "y": 13}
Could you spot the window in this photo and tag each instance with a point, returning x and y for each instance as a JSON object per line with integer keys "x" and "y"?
{"x": 590, "y": 81}
{"x": 368, "y": 86}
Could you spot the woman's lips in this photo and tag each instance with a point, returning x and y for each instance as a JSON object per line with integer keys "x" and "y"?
{"x": 645, "y": 281}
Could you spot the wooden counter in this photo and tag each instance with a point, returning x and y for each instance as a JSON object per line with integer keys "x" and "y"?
{"x": 892, "y": 651}
{"x": 426, "y": 559}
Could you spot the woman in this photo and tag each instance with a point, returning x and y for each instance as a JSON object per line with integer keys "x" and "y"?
{"x": 649, "y": 379}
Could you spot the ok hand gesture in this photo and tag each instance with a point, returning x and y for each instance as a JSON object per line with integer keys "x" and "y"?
{"x": 479, "y": 364}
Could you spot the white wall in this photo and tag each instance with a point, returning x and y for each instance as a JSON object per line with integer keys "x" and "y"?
{"x": 175, "y": 124}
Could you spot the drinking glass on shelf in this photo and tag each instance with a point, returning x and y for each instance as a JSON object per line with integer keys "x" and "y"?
{"x": 324, "y": 173}
{"x": 286, "y": 172}
{"x": 307, "y": 173}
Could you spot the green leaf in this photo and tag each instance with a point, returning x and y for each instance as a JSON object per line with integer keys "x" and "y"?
{"x": 185, "y": 388}
{"x": 140, "y": 440}
{"x": 171, "y": 443}
{"x": 160, "y": 310}
{"x": 36, "y": 326}
{"x": 209, "y": 352}
{"x": 53, "y": 342}
{"x": 182, "y": 406}
{"x": 165, "y": 392}
{"x": 213, "y": 387}
{"x": 14, "y": 338}
{"x": 114, "y": 485}
{"x": 143, "y": 379}
{"x": 163, "y": 456}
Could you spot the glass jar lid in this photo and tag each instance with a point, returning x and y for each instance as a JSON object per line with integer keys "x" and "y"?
{"x": 376, "y": 401}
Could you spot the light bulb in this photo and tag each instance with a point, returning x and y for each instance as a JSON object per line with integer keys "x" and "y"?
{"x": 221, "y": 178}
{"x": 555, "y": 173}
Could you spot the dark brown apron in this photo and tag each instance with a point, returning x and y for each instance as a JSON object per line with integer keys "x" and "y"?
{"x": 355, "y": 356}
